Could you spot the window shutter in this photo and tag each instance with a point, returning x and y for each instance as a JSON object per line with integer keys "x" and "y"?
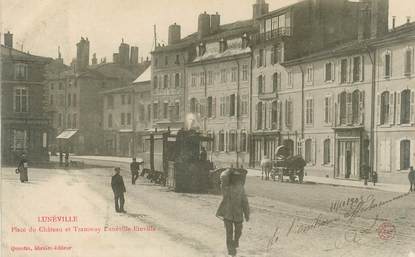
{"x": 412, "y": 107}
{"x": 273, "y": 61}
{"x": 226, "y": 140}
{"x": 398, "y": 108}
{"x": 279, "y": 85}
{"x": 213, "y": 142}
{"x": 313, "y": 151}
{"x": 391, "y": 108}
{"x": 362, "y": 107}
{"x": 213, "y": 107}
{"x": 339, "y": 70}
{"x": 331, "y": 110}
{"x": 324, "y": 72}
{"x": 265, "y": 57}
{"x": 332, "y": 147}
{"x": 257, "y": 61}
{"x": 280, "y": 115}
{"x": 337, "y": 109}
{"x": 263, "y": 86}
{"x": 387, "y": 159}
{"x": 398, "y": 155}
{"x": 362, "y": 68}
{"x": 333, "y": 71}
{"x": 349, "y": 108}
{"x": 378, "y": 109}
{"x": 263, "y": 115}
{"x": 286, "y": 113}
{"x": 413, "y": 153}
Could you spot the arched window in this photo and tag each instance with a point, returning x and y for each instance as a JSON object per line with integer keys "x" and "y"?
{"x": 327, "y": 151}
{"x": 355, "y": 107}
{"x": 274, "y": 115}
{"x": 308, "y": 150}
{"x": 242, "y": 142}
{"x": 342, "y": 108}
{"x": 405, "y": 154}
{"x": 177, "y": 80}
{"x": 259, "y": 115}
{"x": 406, "y": 106}
{"x": 260, "y": 84}
{"x": 155, "y": 82}
{"x": 384, "y": 107}
{"x": 193, "y": 105}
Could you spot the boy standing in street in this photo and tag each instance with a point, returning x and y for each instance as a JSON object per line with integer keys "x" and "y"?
{"x": 234, "y": 206}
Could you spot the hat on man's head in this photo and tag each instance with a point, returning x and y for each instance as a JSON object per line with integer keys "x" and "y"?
{"x": 118, "y": 169}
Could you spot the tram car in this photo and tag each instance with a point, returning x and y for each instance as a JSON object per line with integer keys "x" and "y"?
{"x": 174, "y": 157}
{"x": 287, "y": 165}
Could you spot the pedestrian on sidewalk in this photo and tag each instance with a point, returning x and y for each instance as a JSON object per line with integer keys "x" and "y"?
{"x": 365, "y": 173}
{"x": 118, "y": 187}
{"x": 134, "y": 167}
{"x": 67, "y": 158}
{"x": 234, "y": 206}
{"x": 375, "y": 178}
{"x": 22, "y": 168}
{"x": 411, "y": 178}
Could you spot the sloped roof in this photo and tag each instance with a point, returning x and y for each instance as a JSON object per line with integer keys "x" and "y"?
{"x": 356, "y": 46}
{"x": 233, "y": 29}
{"x": 145, "y": 76}
{"x": 12, "y": 53}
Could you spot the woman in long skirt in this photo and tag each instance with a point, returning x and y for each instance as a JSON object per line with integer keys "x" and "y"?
{"x": 22, "y": 168}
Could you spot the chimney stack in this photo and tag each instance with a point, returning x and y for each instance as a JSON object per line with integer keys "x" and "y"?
{"x": 214, "y": 22}
{"x": 408, "y": 19}
{"x": 174, "y": 34}
{"x": 203, "y": 25}
{"x": 134, "y": 55}
{"x": 259, "y": 8}
{"x": 94, "y": 59}
{"x": 82, "y": 54}
{"x": 124, "y": 53}
{"x": 8, "y": 40}
{"x": 393, "y": 22}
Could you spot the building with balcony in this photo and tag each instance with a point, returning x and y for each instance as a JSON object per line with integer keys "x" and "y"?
{"x": 306, "y": 28}
{"x": 24, "y": 125}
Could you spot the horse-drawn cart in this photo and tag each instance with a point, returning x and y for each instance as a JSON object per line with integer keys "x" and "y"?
{"x": 286, "y": 164}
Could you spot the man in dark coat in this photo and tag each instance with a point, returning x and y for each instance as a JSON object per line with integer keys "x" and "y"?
{"x": 134, "y": 167}
{"x": 118, "y": 187}
{"x": 22, "y": 169}
{"x": 234, "y": 206}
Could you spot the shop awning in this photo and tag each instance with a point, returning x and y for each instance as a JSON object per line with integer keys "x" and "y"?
{"x": 67, "y": 133}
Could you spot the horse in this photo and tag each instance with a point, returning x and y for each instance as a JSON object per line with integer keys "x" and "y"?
{"x": 266, "y": 166}
{"x": 411, "y": 178}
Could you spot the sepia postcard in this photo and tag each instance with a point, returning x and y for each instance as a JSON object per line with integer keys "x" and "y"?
{"x": 184, "y": 128}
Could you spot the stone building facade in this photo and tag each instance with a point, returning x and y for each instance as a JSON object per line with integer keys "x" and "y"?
{"x": 218, "y": 88}
{"x": 127, "y": 116}
{"x": 24, "y": 125}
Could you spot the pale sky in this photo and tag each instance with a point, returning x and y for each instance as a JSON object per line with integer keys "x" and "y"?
{"x": 43, "y": 25}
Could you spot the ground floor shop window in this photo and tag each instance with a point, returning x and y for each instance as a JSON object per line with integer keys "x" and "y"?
{"x": 19, "y": 141}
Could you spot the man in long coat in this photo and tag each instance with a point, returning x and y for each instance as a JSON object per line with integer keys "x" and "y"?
{"x": 234, "y": 206}
{"x": 118, "y": 187}
{"x": 134, "y": 167}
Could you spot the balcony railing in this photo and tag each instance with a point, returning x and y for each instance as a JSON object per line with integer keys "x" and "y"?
{"x": 271, "y": 35}
{"x": 267, "y": 95}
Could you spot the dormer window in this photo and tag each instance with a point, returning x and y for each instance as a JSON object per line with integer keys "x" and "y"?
{"x": 244, "y": 41}
{"x": 20, "y": 71}
{"x": 222, "y": 45}
{"x": 202, "y": 49}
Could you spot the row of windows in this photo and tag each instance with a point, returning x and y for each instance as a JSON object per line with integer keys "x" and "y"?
{"x": 227, "y": 141}
{"x": 125, "y": 99}
{"x": 310, "y": 151}
{"x": 166, "y": 81}
{"x": 222, "y": 76}
{"x": 71, "y": 100}
{"x": 71, "y": 120}
{"x": 396, "y": 107}
{"x": 276, "y": 55}
{"x": 60, "y": 85}
{"x": 228, "y": 106}
{"x": 20, "y": 139}
{"x": 270, "y": 117}
{"x": 166, "y": 111}
{"x": 408, "y": 58}
{"x": 166, "y": 60}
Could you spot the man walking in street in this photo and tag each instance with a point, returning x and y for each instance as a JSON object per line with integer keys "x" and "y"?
{"x": 234, "y": 206}
{"x": 118, "y": 187}
{"x": 134, "y": 167}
